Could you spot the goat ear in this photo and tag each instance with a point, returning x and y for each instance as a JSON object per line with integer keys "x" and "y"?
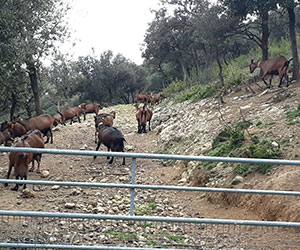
{"x": 252, "y": 61}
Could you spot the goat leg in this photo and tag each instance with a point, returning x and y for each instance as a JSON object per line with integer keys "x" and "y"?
{"x": 8, "y": 174}
{"x": 268, "y": 86}
{"x": 108, "y": 149}
{"x": 32, "y": 167}
{"x": 17, "y": 185}
{"x": 98, "y": 146}
{"x": 111, "y": 160}
{"x": 25, "y": 178}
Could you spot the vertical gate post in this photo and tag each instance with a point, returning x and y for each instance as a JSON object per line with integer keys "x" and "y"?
{"x": 132, "y": 189}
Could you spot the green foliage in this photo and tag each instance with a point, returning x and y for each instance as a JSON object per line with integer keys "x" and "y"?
{"x": 291, "y": 115}
{"x": 231, "y": 142}
{"x": 198, "y": 92}
{"x": 237, "y": 71}
{"x": 174, "y": 88}
{"x": 182, "y": 91}
{"x": 281, "y": 47}
{"x": 152, "y": 206}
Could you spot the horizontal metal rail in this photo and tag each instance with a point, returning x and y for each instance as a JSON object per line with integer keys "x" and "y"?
{"x": 151, "y": 218}
{"x": 54, "y": 246}
{"x": 150, "y": 156}
{"x": 153, "y": 187}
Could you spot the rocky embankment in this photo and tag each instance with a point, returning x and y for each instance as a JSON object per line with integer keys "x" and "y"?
{"x": 190, "y": 128}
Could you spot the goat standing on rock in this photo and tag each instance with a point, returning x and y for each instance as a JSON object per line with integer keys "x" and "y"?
{"x": 275, "y": 66}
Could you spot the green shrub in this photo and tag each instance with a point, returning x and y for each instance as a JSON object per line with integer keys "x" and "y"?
{"x": 196, "y": 92}
{"x": 175, "y": 88}
{"x": 281, "y": 47}
{"x": 234, "y": 74}
{"x": 231, "y": 142}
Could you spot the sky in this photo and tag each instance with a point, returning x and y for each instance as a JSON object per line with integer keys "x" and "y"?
{"x": 116, "y": 25}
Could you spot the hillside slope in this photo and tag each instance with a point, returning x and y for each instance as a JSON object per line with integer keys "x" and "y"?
{"x": 190, "y": 128}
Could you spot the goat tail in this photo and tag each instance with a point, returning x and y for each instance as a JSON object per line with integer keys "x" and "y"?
{"x": 287, "y": 63}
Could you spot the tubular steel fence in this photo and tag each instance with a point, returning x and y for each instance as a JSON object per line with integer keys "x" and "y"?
{"x": 45, "y": 230}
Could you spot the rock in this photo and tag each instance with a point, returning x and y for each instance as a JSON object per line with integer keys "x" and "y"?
{"x": 45, "y": 174}
{"x": 70, "y": 205}
{"x": 93, "y": 203}
{"x": 238, "y": 179}
{"x": 55, "y": 187}
{"x": 105, "y": 180}
{"x": 275, "y": 144}
{"x": 26, "y": 193}
{"x": 128, "y": 148}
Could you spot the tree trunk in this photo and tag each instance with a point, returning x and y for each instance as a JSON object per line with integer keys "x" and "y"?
{"x": 184, "y": 71}
{"x": 265, "y": 34}
{"x": 35, "y": 88}
{"x": 220, "y": 70}
{"x": 13, "y": 105}
{"x": 109, "y": 94}
{"x": 292, "y": 22}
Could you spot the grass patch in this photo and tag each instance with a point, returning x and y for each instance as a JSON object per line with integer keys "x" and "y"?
{"x": 196, "y": 92}
{"x": 231, "y": 142}
{"x": 152, "y": 206}
{"x": 292, "y": 115}
{"x": 141, "y": 211}
{"x": 182, "y": 91}
{"x": 173, "y": 237}
{"x": 121, "y": 235}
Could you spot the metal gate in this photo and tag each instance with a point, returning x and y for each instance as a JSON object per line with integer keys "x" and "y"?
{"x": 44, "y": 230}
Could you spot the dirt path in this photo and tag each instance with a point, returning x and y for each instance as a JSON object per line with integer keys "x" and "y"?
{"x": 110, "y": 201}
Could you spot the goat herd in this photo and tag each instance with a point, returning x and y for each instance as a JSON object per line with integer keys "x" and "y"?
{"x": 29, "y": 132}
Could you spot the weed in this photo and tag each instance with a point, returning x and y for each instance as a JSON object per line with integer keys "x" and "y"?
{"x": 152, "y": 206}
{"x": 152, "y": 243}
{"x": 172, "y": 237}
{"x": 291, "y": 115}
{"x": 140, "y": 211}
{"x": 121, "y": 235}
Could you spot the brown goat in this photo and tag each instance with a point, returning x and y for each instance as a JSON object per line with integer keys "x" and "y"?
{"x": 43, "y": 123}
{"x": 5, "y": 138}
{"x": 57, "y": 119}
{"x": 112, "y": 138}
{"x": 143, "y": 116}
{"x": 90, "y": 108}
{"x": 105, "y": 119}
{"x": 35, "y": 140}
{"x": 142, "y": 98}
{"x": 155, "y": 99}
{"x": 20, "y": 162}
{"x": 275, "y": 66}
{"x": 70, "y": 113}
{"x": 14, "y": 128}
